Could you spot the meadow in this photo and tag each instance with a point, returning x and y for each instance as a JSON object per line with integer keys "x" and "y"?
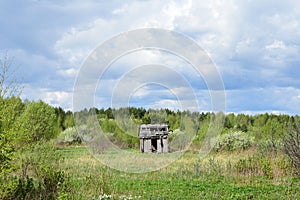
{"x": 235, "y": 175}
{"x": 43, "y": 155}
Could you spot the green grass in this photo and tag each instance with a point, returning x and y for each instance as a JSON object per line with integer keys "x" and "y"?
{"x": 187, "y": 178}
{"x": 74, "y": 151}
{"x": 200, "y": 188}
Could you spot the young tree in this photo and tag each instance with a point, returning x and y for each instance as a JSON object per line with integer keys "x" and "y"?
{"x": 38, "y": 122}
{"x": 69, "y": 120}
{"x": 229, "y": 121}
{"x": 8, "y": 83}
{"x": 292, "y": 146}
{"x": 10, "y": 108}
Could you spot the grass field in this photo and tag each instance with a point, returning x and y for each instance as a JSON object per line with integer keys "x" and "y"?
{"x": 238, "y": 175}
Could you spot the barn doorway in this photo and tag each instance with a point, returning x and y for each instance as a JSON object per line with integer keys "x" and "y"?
{"x": 153, "y": 145}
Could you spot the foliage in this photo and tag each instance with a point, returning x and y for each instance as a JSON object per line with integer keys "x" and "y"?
{"x": 19, "y": 122}
{"x": 69, "y": 136}
{"x": 255, "y": 165}
{"x": 121, "y": 124}
{"x": 269, "y": 145}
{"x": 117, "y": 135}
{"x": 179, "y": 141}
{"x": 292, "y": 146}
{"x": 68, "y": 120}
{"x": 157, "y": 116}
{"x": 173, "y": 121}
{"x": 40, "y": 175}
{"x": 234, "y": 141}
{"x": 37, "y": 122}
{"x": 10, "y": 111}
{"x": 125, "y": 122}
{"x": 11, "y": 108}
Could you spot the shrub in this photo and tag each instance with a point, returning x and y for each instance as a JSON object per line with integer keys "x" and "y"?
{"x": 69, "y": 136}
{"x": 179, "y": 141}
{"x": 234, "y": 141}
{"x": 255, "y": 165}
{"x": 267, "y": 146}
{"x": 40, "y": 176}
{"x": 292, "y": 147}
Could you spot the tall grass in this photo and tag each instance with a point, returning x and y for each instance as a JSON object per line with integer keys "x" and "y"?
{"x": 242, "y": 175}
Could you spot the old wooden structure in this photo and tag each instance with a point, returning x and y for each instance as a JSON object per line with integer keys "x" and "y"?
{"x": 153, "y": 138}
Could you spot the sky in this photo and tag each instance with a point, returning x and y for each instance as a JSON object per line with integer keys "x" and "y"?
{"x": 254, "y": 45}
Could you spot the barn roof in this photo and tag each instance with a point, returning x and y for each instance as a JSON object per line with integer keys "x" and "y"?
{"x": 153, "y": 130}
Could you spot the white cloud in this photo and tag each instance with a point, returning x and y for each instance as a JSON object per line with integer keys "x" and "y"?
{"x": 227, "y": 30}
{"x": 55, "y": 98}
{"x": 254, "y": 45}
{"x": 276, "y": 45}
{"x": 167, "y": 103}
{"x": 68, "y": 73}
{"x": 281, "y": 55}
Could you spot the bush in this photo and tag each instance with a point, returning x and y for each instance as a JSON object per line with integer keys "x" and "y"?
{"x": 234, "y": 141}
{"x": 292, "y": 147}
{"x": 69, "y": 136}
{"x": 255, "y": 165}
{"x": 39, "y": 177}
{"x": 268, "y": 146}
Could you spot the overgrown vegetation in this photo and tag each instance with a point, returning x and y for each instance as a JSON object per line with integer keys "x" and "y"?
{"x": 292, "y": 146}
{"x": 29, "y": 164}
{"x": 235, "y": 175}
{"x": 232, "y": 141}
{"x": 42, "y": 153}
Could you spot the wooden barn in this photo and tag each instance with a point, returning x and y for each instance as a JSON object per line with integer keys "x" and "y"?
{"x": 153, "y": 138}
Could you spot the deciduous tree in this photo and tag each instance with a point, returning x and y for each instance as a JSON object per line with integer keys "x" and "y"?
{"x": 38, "y": 122}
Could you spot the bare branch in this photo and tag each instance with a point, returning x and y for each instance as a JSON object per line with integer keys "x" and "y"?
{"x": 8, "y": 82}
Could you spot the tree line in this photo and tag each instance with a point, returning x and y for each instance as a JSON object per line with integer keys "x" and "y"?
{"x": 31, "y": 131}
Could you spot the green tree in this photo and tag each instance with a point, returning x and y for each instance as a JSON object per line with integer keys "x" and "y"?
{"x": 38, "y": 122}
{"x": 69, "y": 120}
{"x": 273, "y": 132}
{"x": 242, "y": 121}
{"x": 60, "y": 113}
{"x": 261, "y": 120}
{"x": 109, "y": 113}
{"x": 173, "y": 121}
{"x": 146, "y": 118}
{"x": 157, "y": 116}
{"x": 10, "y": 108}
{"x": 229, "y": 121}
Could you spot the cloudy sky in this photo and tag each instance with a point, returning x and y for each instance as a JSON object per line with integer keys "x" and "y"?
{"x": 255, "y": 46}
